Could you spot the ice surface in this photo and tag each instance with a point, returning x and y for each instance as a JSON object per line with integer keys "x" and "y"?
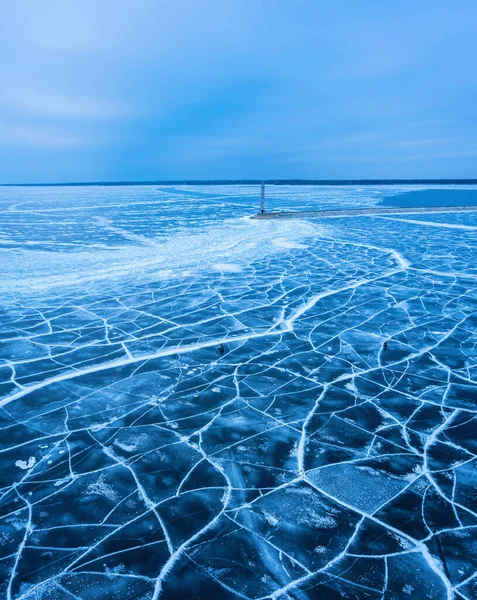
{"x": 306, "y": 461}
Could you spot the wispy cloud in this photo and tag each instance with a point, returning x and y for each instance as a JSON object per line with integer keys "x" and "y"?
{"x": 43, "y": 137}
{"x": 43, "y": 103}
{"x": 431, "y": 142}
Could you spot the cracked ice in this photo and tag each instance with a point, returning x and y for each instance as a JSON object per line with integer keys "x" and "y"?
{"x": 309, "y": 460}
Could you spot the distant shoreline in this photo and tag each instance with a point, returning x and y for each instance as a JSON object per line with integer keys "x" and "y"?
{"x": 323, "y": 182}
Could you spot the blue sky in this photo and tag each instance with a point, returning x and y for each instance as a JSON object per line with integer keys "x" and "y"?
{"x": 97, "y": 90}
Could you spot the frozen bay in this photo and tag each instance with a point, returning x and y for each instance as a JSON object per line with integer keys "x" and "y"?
{"x": 309, "y": 460}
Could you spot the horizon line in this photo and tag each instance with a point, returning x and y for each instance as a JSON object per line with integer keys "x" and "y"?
{"x": 397, "y": 181}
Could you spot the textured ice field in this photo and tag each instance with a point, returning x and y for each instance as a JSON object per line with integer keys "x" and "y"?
{"x": 305, "y": 462}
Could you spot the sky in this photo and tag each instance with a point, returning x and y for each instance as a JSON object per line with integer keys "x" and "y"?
{"x": 128, "y": 90}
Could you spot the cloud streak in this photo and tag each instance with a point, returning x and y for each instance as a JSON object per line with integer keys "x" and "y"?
{"x": 43, "y": 103}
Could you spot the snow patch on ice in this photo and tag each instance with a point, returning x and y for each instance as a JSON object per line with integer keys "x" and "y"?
{"x": 227, "y": 267}
{"x": 319, "y": 521}
{"x": 273, "y": 521}
{"x": 281, "y": 243}
{"x": 125, "y": 447}
{"x": 23, "y": 464}
{"x": 99, "y": 426}
{"x": 101, "y": 488}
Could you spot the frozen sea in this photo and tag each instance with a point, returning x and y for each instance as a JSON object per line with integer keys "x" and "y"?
{"x": 309, "y": 460}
